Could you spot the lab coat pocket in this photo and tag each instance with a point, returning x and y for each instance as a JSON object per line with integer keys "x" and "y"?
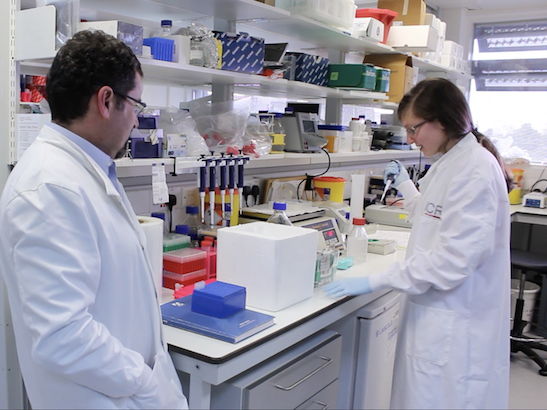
{"x": 162, "y": 391}
{"x": 429, "y": 333}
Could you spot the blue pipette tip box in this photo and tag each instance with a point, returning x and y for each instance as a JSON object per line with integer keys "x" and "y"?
{"x": 219, "y": 299}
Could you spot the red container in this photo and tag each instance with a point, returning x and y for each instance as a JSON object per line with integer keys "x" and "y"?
{"x": 184, "y": 260}
{"x": 170, "y": 279}
{"x": 384, "y": 15}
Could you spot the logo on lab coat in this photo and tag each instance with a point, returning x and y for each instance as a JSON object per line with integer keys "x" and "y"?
{"x": 435, "y": 211}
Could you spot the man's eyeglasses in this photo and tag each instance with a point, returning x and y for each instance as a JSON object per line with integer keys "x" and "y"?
{"x": 412, "y": 130}
{"x": 139, "y": 105}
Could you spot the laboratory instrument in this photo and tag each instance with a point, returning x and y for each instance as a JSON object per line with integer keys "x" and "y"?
{"x": 357, "y": 241}
{"x": 301, "y": 132}
{"x": 388, "y": 215}
{"x": 534, "y": 200}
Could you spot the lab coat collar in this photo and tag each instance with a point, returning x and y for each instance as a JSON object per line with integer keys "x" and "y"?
{"x": 452, "y": 153}
{"x": 51, "y": 136}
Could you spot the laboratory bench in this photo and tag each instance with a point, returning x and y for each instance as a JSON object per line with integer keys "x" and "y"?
{"x": 211, "y": 366}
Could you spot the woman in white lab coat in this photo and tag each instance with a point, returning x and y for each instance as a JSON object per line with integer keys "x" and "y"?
{"x": 453, "y": 349}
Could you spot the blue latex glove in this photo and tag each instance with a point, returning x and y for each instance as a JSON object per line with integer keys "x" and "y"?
{"x": 397, "y": 171}
{"x": 348, "y": 286}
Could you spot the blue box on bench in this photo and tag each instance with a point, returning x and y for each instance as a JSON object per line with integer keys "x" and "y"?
{"x": 241, "y": 52}
{"x": 219, "y": 299}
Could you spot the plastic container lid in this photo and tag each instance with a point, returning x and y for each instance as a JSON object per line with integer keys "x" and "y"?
{"x": 192, "y": 209}
{"x": 359, "y": 221}
{"x": 333, "y": 127}
{"x": 184, "y": 255}
{"x": 278, "y": 115}
{"x": 166, "y": 22}
{"x": 280, "y": 206}
{"x": 160, "y": 215}
{"x": 182, "y": 229}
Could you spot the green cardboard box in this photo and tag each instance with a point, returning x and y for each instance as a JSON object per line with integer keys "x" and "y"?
{"x": 352, "y": 75}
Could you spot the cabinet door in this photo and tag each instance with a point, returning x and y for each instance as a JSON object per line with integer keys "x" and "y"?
{"x": 298, "y": 382}
{"x": 325, "y": 399}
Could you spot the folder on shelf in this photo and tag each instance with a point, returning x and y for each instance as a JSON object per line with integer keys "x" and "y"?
{"x": 233, "y": 329}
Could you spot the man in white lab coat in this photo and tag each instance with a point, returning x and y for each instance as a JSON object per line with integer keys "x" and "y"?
{"x": 80, "y": 284}
{"x": 453, "y": 350}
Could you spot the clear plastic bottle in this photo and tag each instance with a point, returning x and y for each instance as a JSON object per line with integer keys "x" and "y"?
{"x": 357, "y": 241}
{"x": 279, "y": 216}
{"x": 166, "y": 28}
{"x": 193, "y": 221}
{"x": 277, "y": 124}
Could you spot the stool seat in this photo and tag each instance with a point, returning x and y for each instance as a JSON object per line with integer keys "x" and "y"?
{"x": 525, "y": 260}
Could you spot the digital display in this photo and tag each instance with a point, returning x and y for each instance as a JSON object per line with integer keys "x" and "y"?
{"x": 309, "y": 126}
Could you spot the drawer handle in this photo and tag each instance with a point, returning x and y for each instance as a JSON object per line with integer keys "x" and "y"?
{"x": 303, "y": 379}
{"x": 325, "y": 405}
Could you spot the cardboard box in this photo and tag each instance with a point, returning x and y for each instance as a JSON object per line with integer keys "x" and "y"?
{"x": 241, "y": 52}
{"x": 368, "y": 27}
{"x": 413, "y": 38}
{"x": 402, "y": 73}
{"x": 410, "y": 12}
{"x": 130, "y": 34}
{"x": 275, "y": 263}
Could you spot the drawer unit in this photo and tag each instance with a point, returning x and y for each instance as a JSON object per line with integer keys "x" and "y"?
{"x": 325, "y": 399}
{"x": 287, "y": 380}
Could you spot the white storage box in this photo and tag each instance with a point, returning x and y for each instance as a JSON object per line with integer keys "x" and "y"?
{"x": 413, "y": 38}
{"x": 181, "y": 52}
{"x": 451, "y": 48}
{"x": 336, "y": 13}
{"x": 368, "y": 27}
{"x": 275, "y": 263}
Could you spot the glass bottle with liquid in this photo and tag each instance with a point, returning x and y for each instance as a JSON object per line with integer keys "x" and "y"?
{"x": 166, "y": 28}
{"x": 357, "y": 241}
{"x": 279, "y": 216}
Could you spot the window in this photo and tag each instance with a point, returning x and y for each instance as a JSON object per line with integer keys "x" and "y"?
{"x": 508, "y": 96}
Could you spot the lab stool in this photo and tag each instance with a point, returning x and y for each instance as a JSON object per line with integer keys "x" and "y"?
{"x": 527, "y": 261}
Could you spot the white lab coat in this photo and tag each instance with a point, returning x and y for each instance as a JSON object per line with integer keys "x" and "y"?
{"x": 453, "y": 349}
{"x": 80, "y": 285}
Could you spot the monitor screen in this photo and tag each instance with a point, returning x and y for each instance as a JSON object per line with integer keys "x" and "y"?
{"x": 309, "y": 126}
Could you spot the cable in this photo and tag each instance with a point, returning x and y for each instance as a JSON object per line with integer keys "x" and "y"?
{"x": 309, "y": 178}
{"x": 535, "y": 183}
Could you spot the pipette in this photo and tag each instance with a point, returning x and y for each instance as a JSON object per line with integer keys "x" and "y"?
{"x": 222, "y": 185}
{"x": 231, "y": 178}
{"x": 390, "y": 178}
{"x": 240, "y": 165}
{"x": 202, "y": 188}
{"x": 212, "y": 187}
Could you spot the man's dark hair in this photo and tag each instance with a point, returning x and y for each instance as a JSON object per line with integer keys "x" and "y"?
{"x": 88, "y": 61}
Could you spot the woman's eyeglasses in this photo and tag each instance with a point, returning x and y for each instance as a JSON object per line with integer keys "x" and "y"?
{"x": 412, "y": 130}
